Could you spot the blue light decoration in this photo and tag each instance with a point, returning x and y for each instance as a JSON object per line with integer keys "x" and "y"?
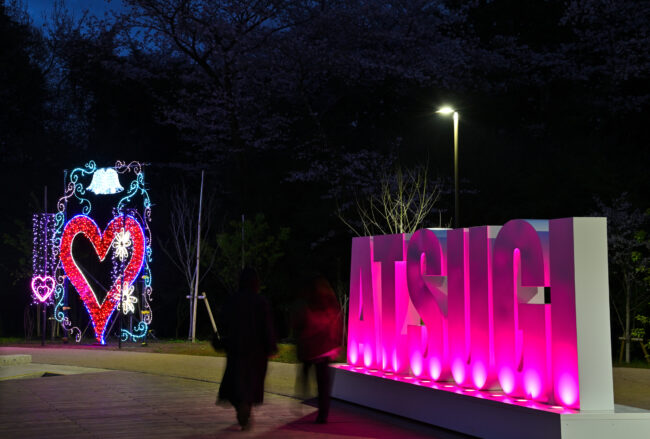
{"x": 135, "y": 203}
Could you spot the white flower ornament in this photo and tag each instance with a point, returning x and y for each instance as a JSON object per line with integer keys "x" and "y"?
{"x": 121, "y": 244}
{"x": 128, "y": 300}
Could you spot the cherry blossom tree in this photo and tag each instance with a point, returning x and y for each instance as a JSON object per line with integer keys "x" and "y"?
{"x": 628, "y": 262}
{"x": 610, "y": 51}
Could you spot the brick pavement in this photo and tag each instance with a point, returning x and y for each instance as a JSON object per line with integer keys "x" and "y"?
{"x": 170, "y": 398}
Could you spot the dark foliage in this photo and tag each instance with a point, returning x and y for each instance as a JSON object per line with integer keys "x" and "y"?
{"x": 296, "y": 108}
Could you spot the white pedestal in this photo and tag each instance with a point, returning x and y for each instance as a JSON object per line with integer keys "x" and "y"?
{"x": 482, "y": 414}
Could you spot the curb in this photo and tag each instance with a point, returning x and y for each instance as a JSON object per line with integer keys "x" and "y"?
{"x": 13, "y": 360}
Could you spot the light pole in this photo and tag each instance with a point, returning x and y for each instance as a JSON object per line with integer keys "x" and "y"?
{"x": 447, "y": 111}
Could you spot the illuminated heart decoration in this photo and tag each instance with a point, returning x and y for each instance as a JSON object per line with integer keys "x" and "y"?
{"x": 42, "y": 287}
{"x": 82, "y": 224}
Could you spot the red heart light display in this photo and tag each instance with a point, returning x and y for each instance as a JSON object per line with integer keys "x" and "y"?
{"x": 82, "y": 224}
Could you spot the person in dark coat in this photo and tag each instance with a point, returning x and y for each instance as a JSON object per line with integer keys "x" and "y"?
{"x": 249, "y": 339}
{"x": 319, "y": 332}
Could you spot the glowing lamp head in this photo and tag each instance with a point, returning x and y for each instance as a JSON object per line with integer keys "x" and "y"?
{"x": 446, "y": 110}
{"x": 105, "y": 181}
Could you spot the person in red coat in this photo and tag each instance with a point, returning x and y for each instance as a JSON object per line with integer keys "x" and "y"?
{"x": 246, "y": 327}
{"x": 319, "y": 330}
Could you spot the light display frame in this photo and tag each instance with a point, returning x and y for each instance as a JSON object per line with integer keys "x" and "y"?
{"x": 103, "y": 243}
{"x": 134, "y": 204}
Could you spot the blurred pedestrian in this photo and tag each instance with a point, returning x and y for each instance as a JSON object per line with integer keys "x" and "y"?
{"x": 249, "y": 339}
{"x": 318, "y": 327}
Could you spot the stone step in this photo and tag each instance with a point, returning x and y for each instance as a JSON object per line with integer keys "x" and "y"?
{"x": 12, "y": 360}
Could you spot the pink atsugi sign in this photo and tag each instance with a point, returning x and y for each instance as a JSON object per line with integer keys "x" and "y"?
{"x": 513, "y": 307}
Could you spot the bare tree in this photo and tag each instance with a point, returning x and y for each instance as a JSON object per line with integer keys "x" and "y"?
{"x": 405, "y": 200}
{"x": 183, "y": 227}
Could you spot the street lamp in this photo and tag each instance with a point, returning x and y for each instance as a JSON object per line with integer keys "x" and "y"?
{"x": 447, "y": 111}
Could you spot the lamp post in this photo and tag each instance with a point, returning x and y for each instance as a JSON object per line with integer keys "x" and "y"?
{"x": 446, "y": 111}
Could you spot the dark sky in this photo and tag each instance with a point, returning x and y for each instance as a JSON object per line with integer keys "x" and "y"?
{"x": 39, "y": 9}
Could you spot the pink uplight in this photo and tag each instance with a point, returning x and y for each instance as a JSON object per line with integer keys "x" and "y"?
{"x": 458, "y": 370}
{"x": 435, "y": 368}
{"x": 507, "y": 380}
{"x": 353, "y": 352}
{"x": 568, "y": 390}
{"x": 367, "y": 357}
{"x": 479, "y": 375}
{"x": 416, "y": 363}
{"x": 532, "y": 384}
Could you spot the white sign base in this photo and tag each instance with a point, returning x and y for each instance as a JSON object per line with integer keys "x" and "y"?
{"x": 485, "y": 418}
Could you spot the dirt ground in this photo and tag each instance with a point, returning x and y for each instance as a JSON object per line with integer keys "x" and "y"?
{"x": 632, "y": 387}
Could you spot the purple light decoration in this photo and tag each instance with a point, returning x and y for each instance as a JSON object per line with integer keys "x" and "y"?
{"x": 44, "y": 260}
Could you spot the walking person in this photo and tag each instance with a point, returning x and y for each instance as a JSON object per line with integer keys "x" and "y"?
{"x": 249, "y": 339}
{"x": 319, "y": 331}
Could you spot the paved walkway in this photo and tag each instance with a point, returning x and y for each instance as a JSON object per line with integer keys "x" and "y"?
{"x": 167, "y": 396}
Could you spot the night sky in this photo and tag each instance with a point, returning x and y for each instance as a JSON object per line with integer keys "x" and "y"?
{"x": 39, "y": 10}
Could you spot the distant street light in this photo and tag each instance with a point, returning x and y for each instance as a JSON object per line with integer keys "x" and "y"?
{"x": 446, "y": 111}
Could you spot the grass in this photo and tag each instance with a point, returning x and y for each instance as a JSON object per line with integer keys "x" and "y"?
{"x": 286, "y": 351}
{"x": 11, "y": 340}
{"x": 634, "y": 363}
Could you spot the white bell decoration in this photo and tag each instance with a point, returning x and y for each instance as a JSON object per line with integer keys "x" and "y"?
{"x": 105, "y": 181}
